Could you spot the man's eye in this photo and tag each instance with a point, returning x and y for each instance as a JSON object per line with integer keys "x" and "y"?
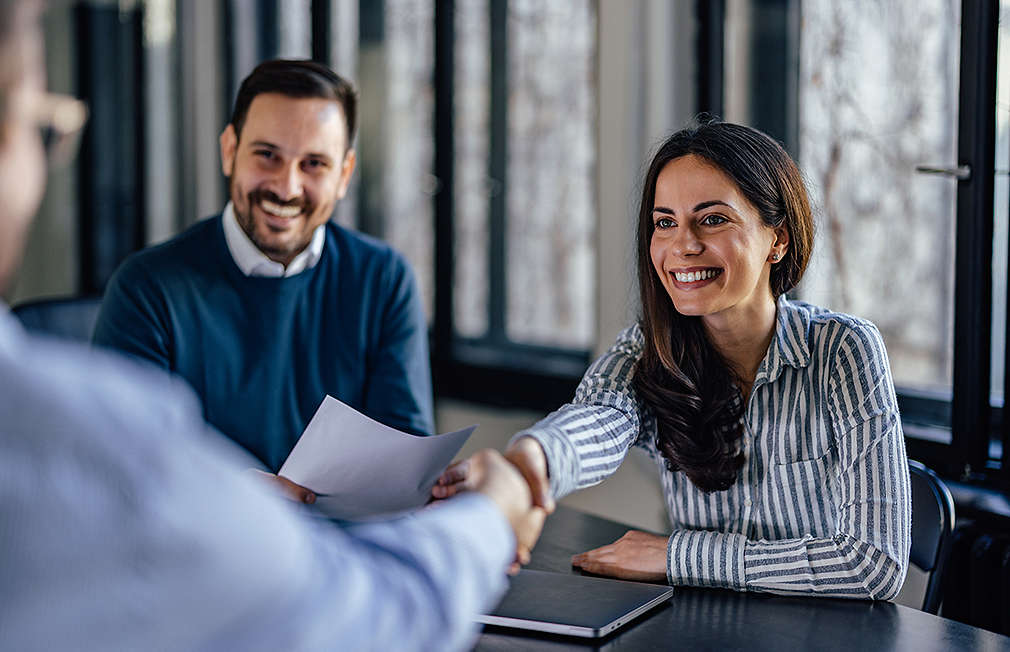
{"x": 264, "y": 153}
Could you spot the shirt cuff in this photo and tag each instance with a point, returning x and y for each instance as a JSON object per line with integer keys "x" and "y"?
{"x": 703, "y": 558}
{"x": 562, "y": 459}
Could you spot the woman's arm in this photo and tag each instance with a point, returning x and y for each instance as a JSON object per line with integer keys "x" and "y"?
{"x": 586, "y": 440}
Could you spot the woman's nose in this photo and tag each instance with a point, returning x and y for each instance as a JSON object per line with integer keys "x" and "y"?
{"x": 686, "y": 242}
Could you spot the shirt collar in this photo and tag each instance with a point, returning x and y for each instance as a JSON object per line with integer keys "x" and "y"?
{"x": 790, "y": 345}
{"x": 254, "y": 262}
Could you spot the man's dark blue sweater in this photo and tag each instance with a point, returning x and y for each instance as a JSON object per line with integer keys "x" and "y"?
{"x": 263, "y": 352}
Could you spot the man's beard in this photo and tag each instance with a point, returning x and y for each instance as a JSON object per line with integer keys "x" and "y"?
{"x": 248, "y": 224}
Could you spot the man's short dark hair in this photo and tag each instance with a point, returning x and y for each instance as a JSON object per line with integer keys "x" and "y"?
{"x": 298, "y": 79}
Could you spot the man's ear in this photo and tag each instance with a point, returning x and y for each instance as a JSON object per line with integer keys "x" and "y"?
{"x": 229, "y": 143}
{"x": 346, "y": 170}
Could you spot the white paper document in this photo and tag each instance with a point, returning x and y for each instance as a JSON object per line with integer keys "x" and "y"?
{"x": 359, "y": 468}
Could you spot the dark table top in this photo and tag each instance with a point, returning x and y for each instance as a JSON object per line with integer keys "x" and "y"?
{"x": 710, "y": 619}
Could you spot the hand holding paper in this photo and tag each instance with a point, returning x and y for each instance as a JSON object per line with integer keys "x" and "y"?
{"x": 288, "y": 489}
{"x": 359, "y": 468}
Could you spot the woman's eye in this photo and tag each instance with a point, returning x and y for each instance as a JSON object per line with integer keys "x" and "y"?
{"x": 713, "y": 220}
{"x": 664, "y": 223}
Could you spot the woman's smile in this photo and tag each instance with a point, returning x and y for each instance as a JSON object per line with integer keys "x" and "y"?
{"x": 694, "y": 277}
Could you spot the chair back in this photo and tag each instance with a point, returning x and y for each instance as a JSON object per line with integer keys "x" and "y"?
{"x": 69, "y": 318}
{"x": 932, "y": 529}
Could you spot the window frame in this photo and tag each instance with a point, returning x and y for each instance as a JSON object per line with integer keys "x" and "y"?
{"x": 966, "y": 415}
{"x": 491, "y": 369}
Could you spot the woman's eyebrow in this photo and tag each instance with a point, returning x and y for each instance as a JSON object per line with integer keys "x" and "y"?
{"x": 712, "y": 202}
{"x": 698, "y": 207}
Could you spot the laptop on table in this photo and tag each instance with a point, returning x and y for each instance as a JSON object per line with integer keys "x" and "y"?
{"x": 573, "y": 605}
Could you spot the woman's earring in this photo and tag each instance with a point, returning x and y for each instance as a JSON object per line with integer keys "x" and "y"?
{"x": 775, "y": 258}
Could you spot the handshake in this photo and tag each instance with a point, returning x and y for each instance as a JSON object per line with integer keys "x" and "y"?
{"x": 516, "y": 481}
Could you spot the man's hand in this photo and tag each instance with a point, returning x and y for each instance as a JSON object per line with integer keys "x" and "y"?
{"x": 491, "y": 474}
{"x": 289, "y": 490}
{"x": 528, "y": 457}
{"x": 635, "y": 556}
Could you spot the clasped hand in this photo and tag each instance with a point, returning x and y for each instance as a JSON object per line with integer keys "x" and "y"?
{"x": 635, "y": 556}
{"x": 517, "y": 482}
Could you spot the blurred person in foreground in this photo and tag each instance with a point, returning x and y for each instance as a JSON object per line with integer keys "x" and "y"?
{"x": 124, "y": 526}
{"x": 773, "y": 423}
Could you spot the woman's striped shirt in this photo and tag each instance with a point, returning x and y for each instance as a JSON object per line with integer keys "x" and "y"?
{"x": 822, "y": 503}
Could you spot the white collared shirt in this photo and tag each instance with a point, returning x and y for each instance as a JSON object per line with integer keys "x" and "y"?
{"x": 254, "y": 262}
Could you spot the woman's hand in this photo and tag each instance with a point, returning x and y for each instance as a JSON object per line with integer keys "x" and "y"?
{"x": 635, "y": 556}
{"x": 528, "y": 457}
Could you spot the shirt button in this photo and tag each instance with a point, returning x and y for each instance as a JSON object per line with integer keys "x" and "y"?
{"x": 748, "y": 502}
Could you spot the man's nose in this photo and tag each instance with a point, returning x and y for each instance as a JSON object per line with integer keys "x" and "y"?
{"x": 288, "y": 184}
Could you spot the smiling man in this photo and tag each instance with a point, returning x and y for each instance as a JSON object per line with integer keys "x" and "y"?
{"x": 270, "y": 306}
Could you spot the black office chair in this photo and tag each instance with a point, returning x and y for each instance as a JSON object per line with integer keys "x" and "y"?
{"x": 932, "y": 528}
{"x": 70, "y": 318}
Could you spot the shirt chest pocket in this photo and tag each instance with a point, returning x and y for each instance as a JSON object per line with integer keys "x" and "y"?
{"x": 804, "y": 497}
{"x": 800, "y": 441}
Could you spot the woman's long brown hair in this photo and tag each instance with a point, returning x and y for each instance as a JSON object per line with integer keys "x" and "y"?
{"x": 681, "y": 377}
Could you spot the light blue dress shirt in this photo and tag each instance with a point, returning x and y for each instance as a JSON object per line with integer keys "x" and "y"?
{"x": 126, "y": 524}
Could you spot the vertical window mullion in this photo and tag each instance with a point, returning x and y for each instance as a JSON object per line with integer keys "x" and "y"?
{"x": 321, "y": 33}
{"x": 709, "y": 48}
{"x": 973, "y": 247}
{"x": 497, "y": 168}
{"x": 111, "y": 199}
{"x": 1004, "y": 416}
{"x": 443, "y": 122}
{"x": 269, "y": 29}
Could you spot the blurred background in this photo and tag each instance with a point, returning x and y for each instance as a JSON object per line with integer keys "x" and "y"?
{"x": 501, "y": 148}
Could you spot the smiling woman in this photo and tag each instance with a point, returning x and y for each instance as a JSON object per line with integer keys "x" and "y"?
{"x": 724, "y": 229}
{"x": 773, "y": 423}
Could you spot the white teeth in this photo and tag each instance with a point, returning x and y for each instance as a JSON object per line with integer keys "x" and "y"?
{"x": 691, "y": 277}
{"x": 278, "y": 210}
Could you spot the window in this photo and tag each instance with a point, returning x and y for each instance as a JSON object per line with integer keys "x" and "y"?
{"x": 514, "y": 198}
{"x": 396, "y": 142}
{"x": 891, "y": 112}
{"x": 878, "y": 92}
